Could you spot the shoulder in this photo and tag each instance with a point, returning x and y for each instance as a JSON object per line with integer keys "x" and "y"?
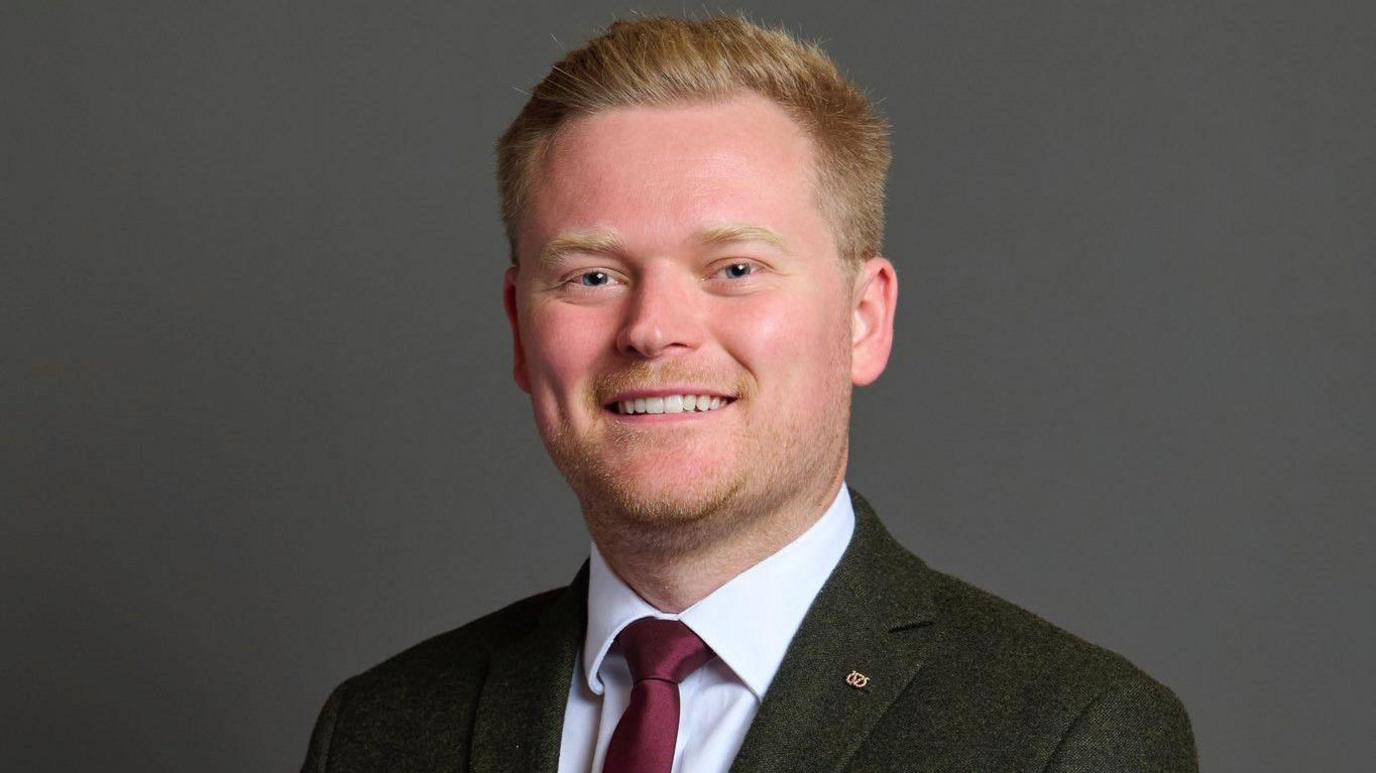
{"x": 1000, "y": 688}
{"x": 413, "y": 710}
{"x": 981, "y": 647}
{"x": 458, "y": 656}
{"x": 1000, "y": 639}
{"x": 1056, "y": 697}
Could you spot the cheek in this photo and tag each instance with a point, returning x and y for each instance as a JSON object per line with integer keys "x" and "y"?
{"x": 788, "y": 341}
{"x": 561, "y": 349}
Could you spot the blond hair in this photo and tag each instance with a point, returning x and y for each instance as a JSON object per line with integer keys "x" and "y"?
{"x": 663, "y": 60}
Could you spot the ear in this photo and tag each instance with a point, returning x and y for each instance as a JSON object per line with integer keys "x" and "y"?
{"x": 871, "y": 330}
{"x": 509, "y": 301}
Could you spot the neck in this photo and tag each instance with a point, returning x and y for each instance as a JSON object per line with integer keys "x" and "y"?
{"x": 676, "y": 573}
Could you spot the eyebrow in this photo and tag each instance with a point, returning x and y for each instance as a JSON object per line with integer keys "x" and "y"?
{"x": 609, "y": 243}
{"x": 739, "y": 232}
{"x": 591, "y": 242}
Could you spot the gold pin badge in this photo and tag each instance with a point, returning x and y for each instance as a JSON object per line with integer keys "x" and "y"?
{"x": 857, "y": 680}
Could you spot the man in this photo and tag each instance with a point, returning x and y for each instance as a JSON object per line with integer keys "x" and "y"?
{"x": 695, "y": 216}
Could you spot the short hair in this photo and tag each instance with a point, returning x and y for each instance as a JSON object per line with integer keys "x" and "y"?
{"x": 665, "y": 60}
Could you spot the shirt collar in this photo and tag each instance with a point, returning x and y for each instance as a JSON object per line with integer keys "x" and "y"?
{"x": 750, "y": 637}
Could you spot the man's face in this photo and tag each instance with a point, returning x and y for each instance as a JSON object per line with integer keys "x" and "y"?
{"x": 676, "y": 256}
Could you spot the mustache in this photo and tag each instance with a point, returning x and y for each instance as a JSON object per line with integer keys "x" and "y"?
{"x": 644, "y": 375}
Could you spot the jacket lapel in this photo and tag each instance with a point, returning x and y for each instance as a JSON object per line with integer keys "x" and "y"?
{"x": 870, "y": 620}
{"x": 520, "y": 716}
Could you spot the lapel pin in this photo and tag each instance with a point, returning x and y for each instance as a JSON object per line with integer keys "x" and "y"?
{"x": 857, "y": 680}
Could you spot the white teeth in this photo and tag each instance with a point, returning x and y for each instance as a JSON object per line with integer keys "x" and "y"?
{"x": 671, "y": 404}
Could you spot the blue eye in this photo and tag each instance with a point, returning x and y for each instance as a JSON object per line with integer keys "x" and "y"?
{"x": 594, "y": 278}
{"x": 739, "y": 270}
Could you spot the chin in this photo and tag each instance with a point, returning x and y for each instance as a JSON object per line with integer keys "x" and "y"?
{"x": 665, "y": 505}
{"x": 657, "y": 518}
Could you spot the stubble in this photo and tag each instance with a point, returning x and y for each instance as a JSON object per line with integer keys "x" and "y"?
{"x": 779, "y": 467}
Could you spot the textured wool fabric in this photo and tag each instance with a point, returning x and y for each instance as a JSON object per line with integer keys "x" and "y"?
{"x": 660, "y": 653}
{"x": 955, "y": 680}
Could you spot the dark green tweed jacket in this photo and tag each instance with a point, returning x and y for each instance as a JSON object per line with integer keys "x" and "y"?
{"x": 958, "y": 681}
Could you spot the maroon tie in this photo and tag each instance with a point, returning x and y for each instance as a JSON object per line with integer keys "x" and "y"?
{"x": 660, "y": 653}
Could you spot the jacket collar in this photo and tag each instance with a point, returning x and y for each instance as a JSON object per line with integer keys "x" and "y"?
{"x": 520, "y": 714}
{"x": 859, "y": 647}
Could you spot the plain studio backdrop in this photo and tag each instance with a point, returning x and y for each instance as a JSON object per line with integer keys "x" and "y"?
{"x": 258, "y": 428}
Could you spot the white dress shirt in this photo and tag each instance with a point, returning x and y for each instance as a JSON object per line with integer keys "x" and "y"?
{"x": 748, "y": 623}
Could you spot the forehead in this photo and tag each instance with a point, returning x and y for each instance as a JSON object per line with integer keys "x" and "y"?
{"x": 656, "y": 174}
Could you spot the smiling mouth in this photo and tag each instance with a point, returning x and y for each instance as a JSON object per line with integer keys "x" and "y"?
{"x": 669, "y": 404}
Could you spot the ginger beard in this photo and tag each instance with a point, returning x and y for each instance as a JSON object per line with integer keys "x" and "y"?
{"x": 671, "y": 490}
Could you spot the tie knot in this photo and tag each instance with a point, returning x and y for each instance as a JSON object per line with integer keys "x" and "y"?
{"x": 666, "y": 650}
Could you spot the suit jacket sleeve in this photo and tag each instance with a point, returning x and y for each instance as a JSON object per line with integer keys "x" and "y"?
{"x": 1134, "y": 726}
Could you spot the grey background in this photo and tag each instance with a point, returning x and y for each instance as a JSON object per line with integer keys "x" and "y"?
{"x": 258, "y": 430}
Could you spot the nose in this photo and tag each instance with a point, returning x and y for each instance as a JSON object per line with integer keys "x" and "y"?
{"x": 662, "y": 316}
